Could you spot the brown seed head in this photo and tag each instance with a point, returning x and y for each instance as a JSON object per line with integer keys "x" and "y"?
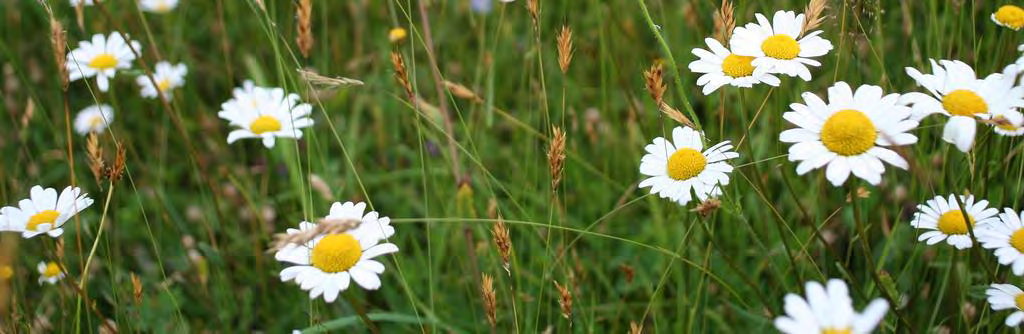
{"x": 654, "y": 79}
{"x": 565, "y": 301}
{"x": 136, "y": 288}
{"x": 503, "y": 242}
{"x": 725, "y": 22}
{"x": 556, "y": 156}
{"x": 490, "y": 299}
{"x": 117, "y": 169}
{"x": 707, "y": 207}
{"x": 401, "y": 75}
{"x": 58, "y": 37}
{"x": 533, "y": 6}
{"x": 565, "y": 50}
{"x": 675, "y": 114}
{"x": 635, "y": 328}
{"x": 303, "y": 28}
{"x": 814, "y": 15}
{"x": 95, "y": 153}
{"x": 323, "y": 226}
{"x": 462, "y": 92}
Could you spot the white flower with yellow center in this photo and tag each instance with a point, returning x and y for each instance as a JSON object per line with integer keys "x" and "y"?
{"x": 44, "y": 211}
{"x": 266, "y": 113}
{"x": 49, "y": 272}
{"x": 944, "y": 220}
{"x": 828, "y": 310}
{"x": 1007, "y": 297}
{"x": 848, "y": 133}
{"x": 957, "y": 92}
{"x": 101, "y": 58}
{"x": 94, "y": 119}
{"x": 327, "y": 264}
{"x": 1006, "y": 237}
{"x": 158, "y": 6}
{"x": 1005, "y": 126}
{"x": 678, "y": 169}
{"x": 721, "y": 67}
{"x": 777, "y": 46}
{"x": 167, "y": 77}
{"x": 1009, "y": 16}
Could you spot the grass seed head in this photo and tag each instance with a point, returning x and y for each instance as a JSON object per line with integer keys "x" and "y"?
{"x": 460, "y": 91}
{"x": 565, "y": 50}
{"x": 635, "y": 328}
{"x": 304, "y": 32}
{"x": 95, "y": 154}
{"x": 564, "y": 302}
{"x": 654, "y": 79}
{"x": 725, "y": 22}
{"x": 707, "y": 207}
{"x": 136, "y": 288}
{"x": 324, "y": 82}
{"x": 58, "y": 37}
{"x": 503, "y": 242}
{"x": 490, "y": 299}
{"x": 814, "y": 15}
{"x": 401, "y": 74}
{"x": 323, "y": 226}
{"x": 556, "y": 156}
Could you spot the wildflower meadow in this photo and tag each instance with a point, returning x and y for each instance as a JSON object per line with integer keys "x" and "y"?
{"x": 511, "y": 166}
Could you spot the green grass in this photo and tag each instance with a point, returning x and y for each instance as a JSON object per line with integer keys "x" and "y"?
{"x": 726, "y": 273}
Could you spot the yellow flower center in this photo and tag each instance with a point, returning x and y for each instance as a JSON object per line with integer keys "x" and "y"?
{"x": 6, "y": 272}
{"x": 1011, "y": 16}
{"x": 848, "y": 132}
{"x": 336, "y": 253}
{"x": 781, "y": 47}
{"x": 1019, "y": 300}
{"x": 963, "y": 102}
{"x": 104, "y": 61}
{"x": 52, "y": 270}
{"x": 836, "y": 331}
{"x": 1017, "y": 240}
{"x": 163, "y": 85}
{"x": 686, "y": 164}
{"x": 43, "y": 217}
{"x": 163, "y": 6}
{"x": 1003, "y": 123}
{"x": 738, "y": 66}
{"x": 952, "y": 222}
{"x": 96, "y": 122}
{"x": 265, "y": 124}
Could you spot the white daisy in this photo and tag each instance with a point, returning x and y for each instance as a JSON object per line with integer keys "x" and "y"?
{"x": 828, "y": 310}
{"x": 101, "y": 58}
{"x": 944, "y": 220}
{"x": 1009, "y": 16}
{"x": 678, "y": 169}
{"x": 1006, "y": 237}
{"x": 326, "y": 264}
{"x": 76, "y": 3}
{"x": 1007, "y": 297}
{"x": 958, "y": 93}
{"x": 265, "y": 113}
{"x": 721, "y": 67}
{"x": 848, "y": 133}
{"x": 94, "y": 119}
{"x": 158, "y": 6}
{"x": 777, "y": 46}
{"x": 1004, "y": 125}
{"x": 49, "y": 272}
{"x": 44, "y": 211}
{"x": 167, "y": 77}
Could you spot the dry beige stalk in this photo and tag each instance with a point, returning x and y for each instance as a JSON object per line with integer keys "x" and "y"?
{"x": 675, "y": 114}
{"x": 324, "y": 82}
{"x": 556, "y": 156}
{"x": 565, "y": 50}
{"x": 654, "y": 79}
{"x": 533, "y": 6}
{"x": 503, "y": 242}
{"x": 58, "y": 38}
{"x": 136, "y": 288}
{"x": 304, "y": 32}
{"x": 814, "y": 15}
{"x": 401, "y": 74}
{"x": 635, "y": 328}
{"x": 323, "y": 227}
{"x": 725, "y": 22}
{"x": 317, "y": 183}
{"x": 95, "y": 153}
{"x": 490, "y": 300}
{"x": 462, "y": 92}
{"x": 565, "y": 302}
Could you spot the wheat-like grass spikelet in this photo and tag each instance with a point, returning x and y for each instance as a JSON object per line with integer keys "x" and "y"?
{"x": 490, "y": 300}
{"x": 654, "y": 80}
{"x": 324, "y": 226}
{"x": 565, "y": 50}
{"x": 725, "y": 22}
{"x": 814, "y": 15}
{"x": 556, "y": 156}
{"x": 304, "y": 32}
{"x": 564, "y": 301}
{"x": 503, "y": 242}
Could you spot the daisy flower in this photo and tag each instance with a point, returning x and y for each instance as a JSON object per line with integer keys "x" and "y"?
{"x": 721, "y": 67}
{"x": 944, "y": 220}
{"x": 828, "y": 310}
{"x": 677, "y": 169}
{"x": 167, "y": 77}
{"x": 76, "y": 3}
{"x": 94, "y": 119}
{"x": 267, "y": 113}
{"x": 101, "y": 58}
{"x": 1006, "y": 297}
{"x": 328, "y": 263}
{"x": 777, "y": 46}
{"x": 49, "y": 272}
{"x": 1004, "y": 125}
{"x": 158, "y": 6}
{"x": 1009, "y": 16}
{"x": 848, "y": 133}
{"x": 957, "y": 92}
{"x": 1006, "y": 237}
{"x": 44, "y": 211}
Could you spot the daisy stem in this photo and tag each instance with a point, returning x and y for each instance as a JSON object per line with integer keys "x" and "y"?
{"x": 869, "y": 256}
{"x": 676, "y": 76}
